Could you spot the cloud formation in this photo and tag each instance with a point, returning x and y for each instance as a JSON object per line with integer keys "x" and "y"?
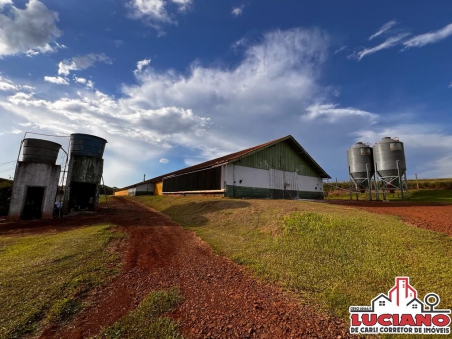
{"x": 155, "y": 12}
{"x": 28, "y": 30}
{"x": 384, "y": 29}
{"x": 142, "y": 64}
{"x": 208, "y": 111}
{"x": 401, "y": 38}
{"x": 57, "y": 80}
{"x": 429, "y": 38}
{"x": 388, "y": 43}
{"x": 237, "y": 11}
{"x": 8, "y": 85}
{"x": 333, "y": 114}
{"x": 81, "y": 63}
{"x": 83, "y": 81}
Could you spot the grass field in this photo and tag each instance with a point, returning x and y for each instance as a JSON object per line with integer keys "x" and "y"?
{"x": 43, "y": 277}
{"x": 438, "y": 184}
{"x": 331, "y": 256}
{"x": 147, "y": 321}
{"x": 421, "y": 196}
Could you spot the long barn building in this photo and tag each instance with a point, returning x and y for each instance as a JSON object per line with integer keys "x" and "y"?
{"x": 279, "y": 169}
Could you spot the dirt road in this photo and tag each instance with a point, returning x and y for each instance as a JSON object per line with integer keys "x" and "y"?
{"x": 434, "y": 217}
{"x": 220, "y": 299}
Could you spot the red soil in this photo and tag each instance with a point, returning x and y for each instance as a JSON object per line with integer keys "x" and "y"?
{"x": 434, "y": 217}
{"x": 221, "y": 300}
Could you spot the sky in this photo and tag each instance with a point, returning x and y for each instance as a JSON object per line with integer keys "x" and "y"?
{"x": 172, "y": 83}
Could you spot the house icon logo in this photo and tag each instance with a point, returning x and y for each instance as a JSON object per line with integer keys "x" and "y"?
{"x": 400, "y": 311}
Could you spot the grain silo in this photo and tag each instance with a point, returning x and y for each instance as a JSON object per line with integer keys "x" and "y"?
{"x": 35, "y": 180}
{"x": 390, "y": 165}
{"x": 84, "y": 172}
{"x": 361, "y": 169}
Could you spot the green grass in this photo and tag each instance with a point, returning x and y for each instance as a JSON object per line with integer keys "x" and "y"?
{"x": 147, "y": 320}
{"x": 439, "y": 183}
{"x": 431, "y": 196}
{"x": 331, "y": 256}
{"x": 105, "y": 198}
{"x": 43, "y": 277}
{"x": 421, "y": 196}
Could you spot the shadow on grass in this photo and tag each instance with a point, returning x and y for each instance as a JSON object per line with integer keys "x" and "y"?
{"x": 198, "y": 210}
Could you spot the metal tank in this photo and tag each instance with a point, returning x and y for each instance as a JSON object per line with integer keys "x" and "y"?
{"x": 87, "y": 145}
{"x": 389, "y": 157}
{"x": 84, "y": 172}
{"x": 40, "y": 151}
{"x": 358, "y": 156}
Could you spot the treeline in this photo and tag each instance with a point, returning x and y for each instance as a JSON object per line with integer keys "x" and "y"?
{"x": 438, "y": 184}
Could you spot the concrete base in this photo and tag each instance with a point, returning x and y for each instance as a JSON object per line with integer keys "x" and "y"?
{"x": 34, "y": 175}
{"x": 263, "y": 193}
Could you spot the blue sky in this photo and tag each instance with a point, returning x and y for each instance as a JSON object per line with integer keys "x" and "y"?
{"x": 171, "y": 83}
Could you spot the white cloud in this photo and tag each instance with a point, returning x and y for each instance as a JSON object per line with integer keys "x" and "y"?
{"x": 81, "y": 63}
{"x": 333, "y": 114}
{"x": 80, "y": 80}
{"x": 429, "y": 38}
{"x": 239, "y": 43}
{"x": 450, "y": 85}
{"x": 57, "y": 80}
{"x": 384, "y": 29}
{"x": 183, "y": 4}
{"x": 28, "y": 30}
{"x": 340, "y": 50}
{"x": 65, "y": 67}
{"x": 8, "y": 85}
{"x": 155, "y": 12}
{"x": 164, "y": 161}
{"x": 390, "y": 42}
{"x": 211, "y": 111}
{"x": 237, "y": 11}
{"x": 141, "y": 64}
{"x": 12, "y": 131}
{"x": 88, "y": 83}
{"x": 4, "y": 3}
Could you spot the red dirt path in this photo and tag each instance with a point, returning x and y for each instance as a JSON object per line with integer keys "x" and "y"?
{"x": 220, "y": 299}
{"x": 434, "y": 217}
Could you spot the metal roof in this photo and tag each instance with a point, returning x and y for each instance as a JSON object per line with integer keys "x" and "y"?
{"x": 237, "y": 156}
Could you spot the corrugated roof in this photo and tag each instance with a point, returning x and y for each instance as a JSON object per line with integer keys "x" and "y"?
{"x": 236, "y": 156}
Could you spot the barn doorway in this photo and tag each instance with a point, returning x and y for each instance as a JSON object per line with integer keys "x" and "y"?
{"x": 283, "y": 185}
{"x": 33, "y": 203}
{"x": 83, "y": 196}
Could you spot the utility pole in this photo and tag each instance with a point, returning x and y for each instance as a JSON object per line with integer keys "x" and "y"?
{"x": 417, "y": 183}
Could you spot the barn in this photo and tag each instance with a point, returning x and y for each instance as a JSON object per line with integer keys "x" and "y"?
{"x": 279, "y": 169}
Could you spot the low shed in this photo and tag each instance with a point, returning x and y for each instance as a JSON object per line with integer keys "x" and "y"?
{"x": 279, "y": 169}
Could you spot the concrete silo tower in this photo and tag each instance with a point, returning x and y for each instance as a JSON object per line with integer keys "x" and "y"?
{"x": 35, "y": 181}
{"x": 84, "y": 173}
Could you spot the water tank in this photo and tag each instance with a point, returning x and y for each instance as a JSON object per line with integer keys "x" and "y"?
{"x": 386, "y": 154}
{"x": 41, "y": 151}
{"x": 87, "y": 145}
{"x": 358, "y": 156}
